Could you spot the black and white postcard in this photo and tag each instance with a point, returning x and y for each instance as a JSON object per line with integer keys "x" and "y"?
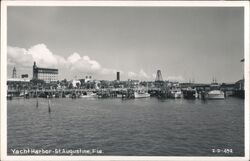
{"x": 124, "y": 80}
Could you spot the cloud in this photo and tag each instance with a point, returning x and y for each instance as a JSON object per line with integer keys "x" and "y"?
{"x": 74, "y": 58}
{"x": 143, "y": 74}
{"x": 39, "y": 53}
{"x": 154, "y": 76}
{"x": 18, "y": 56}
{"x": 71, "y": 65}
{"x": 76, "y": 62}
{"x": 106, "y": 71}
{"x": 132, "y": 74}
{"x": 45, "y": 58}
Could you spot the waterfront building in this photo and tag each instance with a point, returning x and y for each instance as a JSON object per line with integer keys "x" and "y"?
{"x": 239, "y": 85}
{"x": 88, "y": 79}
{"x": 17, "y": 83}
{"x": 239, "y": 88}
{"x": 24, "y": 76}
{"x": 46, "y": 74}
{"x": 186, "y": 85}
{"x": 227, "y": 87}
{"x": 161, "y": 84}
{"x": 133, "y": 83}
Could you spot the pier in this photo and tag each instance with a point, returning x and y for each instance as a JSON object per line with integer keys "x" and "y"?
{"x": 125, "y": 89}
{"x": 200, "y": 90}
{"x": 105, "y": 92}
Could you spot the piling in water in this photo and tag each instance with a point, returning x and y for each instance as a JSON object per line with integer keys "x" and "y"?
{"x": 49, "y": 106}
{"x": 36, "y": 102}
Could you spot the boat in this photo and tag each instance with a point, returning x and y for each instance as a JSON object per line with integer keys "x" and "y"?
{"x": 175, "y": 93}
{"x": 190, "y": 93}
{"x": 141, "y": 94}
{"x": 119, "y": 95}
{"x": 67, "y": 96}
{"x": 23, "y": 93}
{"x": 9, "y": 96}
{"x": 88, "y": 95}
{"x": 215, "y": 94}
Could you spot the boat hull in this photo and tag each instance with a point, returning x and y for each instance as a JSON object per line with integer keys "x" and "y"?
{"x": 216, "y": 95}
{"x": 176, "y": 94}
{"x": 88, "y": 96}
{"x": 141, "y": 95}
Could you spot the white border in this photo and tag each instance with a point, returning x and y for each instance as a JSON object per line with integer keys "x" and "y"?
{"x": 4, "y": 5}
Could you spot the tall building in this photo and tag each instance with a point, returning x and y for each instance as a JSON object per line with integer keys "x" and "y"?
{"x": 14, "y": 73}
{"x": 118, "y": 76}
{"x": 158, "y": 76}
{"x": 46, "y": 74}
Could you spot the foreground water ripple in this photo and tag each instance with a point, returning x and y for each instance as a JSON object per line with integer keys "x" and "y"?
{"x": 129, "y": 127}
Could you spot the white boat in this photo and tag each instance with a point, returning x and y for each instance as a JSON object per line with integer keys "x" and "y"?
{"x": 88, "y": 95}
{"x": 141, "y": 94}
{"x": 119, "y": 96}
{"x": 175, "y": 94}
{"x": 216, "y": 94}
{"x": 67, "y": 96}
{"x": 23, "y": 93}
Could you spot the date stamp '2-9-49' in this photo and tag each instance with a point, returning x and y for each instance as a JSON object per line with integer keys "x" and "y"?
{"x": 222, "y": 151}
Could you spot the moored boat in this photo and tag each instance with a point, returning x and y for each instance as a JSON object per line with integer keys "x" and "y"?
{"x": 9, "y": 96}
{"x": 141, "y": 94}
{"x": 176, "y": 93}
{"x": 88, "y": 95}
{"x": 216, "y": 94}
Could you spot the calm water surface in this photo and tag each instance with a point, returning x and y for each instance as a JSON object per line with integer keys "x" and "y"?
{"x": 145, "y": 126}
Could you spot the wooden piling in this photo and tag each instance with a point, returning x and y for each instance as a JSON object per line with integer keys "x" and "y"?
{"x": 36, "y": 102}
{"x": 49, "y": 110}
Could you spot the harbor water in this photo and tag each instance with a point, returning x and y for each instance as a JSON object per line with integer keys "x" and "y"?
{"x": 134, "y": 127}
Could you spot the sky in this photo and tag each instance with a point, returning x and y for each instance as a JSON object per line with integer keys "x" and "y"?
{"x": 185, "y": 43}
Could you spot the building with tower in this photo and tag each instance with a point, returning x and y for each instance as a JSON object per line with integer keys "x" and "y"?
{"x": 46, "y": 74}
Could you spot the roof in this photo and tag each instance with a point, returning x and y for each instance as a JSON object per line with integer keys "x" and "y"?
{"x": 18, "y": 80}
{"x": 240, "y": 81}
